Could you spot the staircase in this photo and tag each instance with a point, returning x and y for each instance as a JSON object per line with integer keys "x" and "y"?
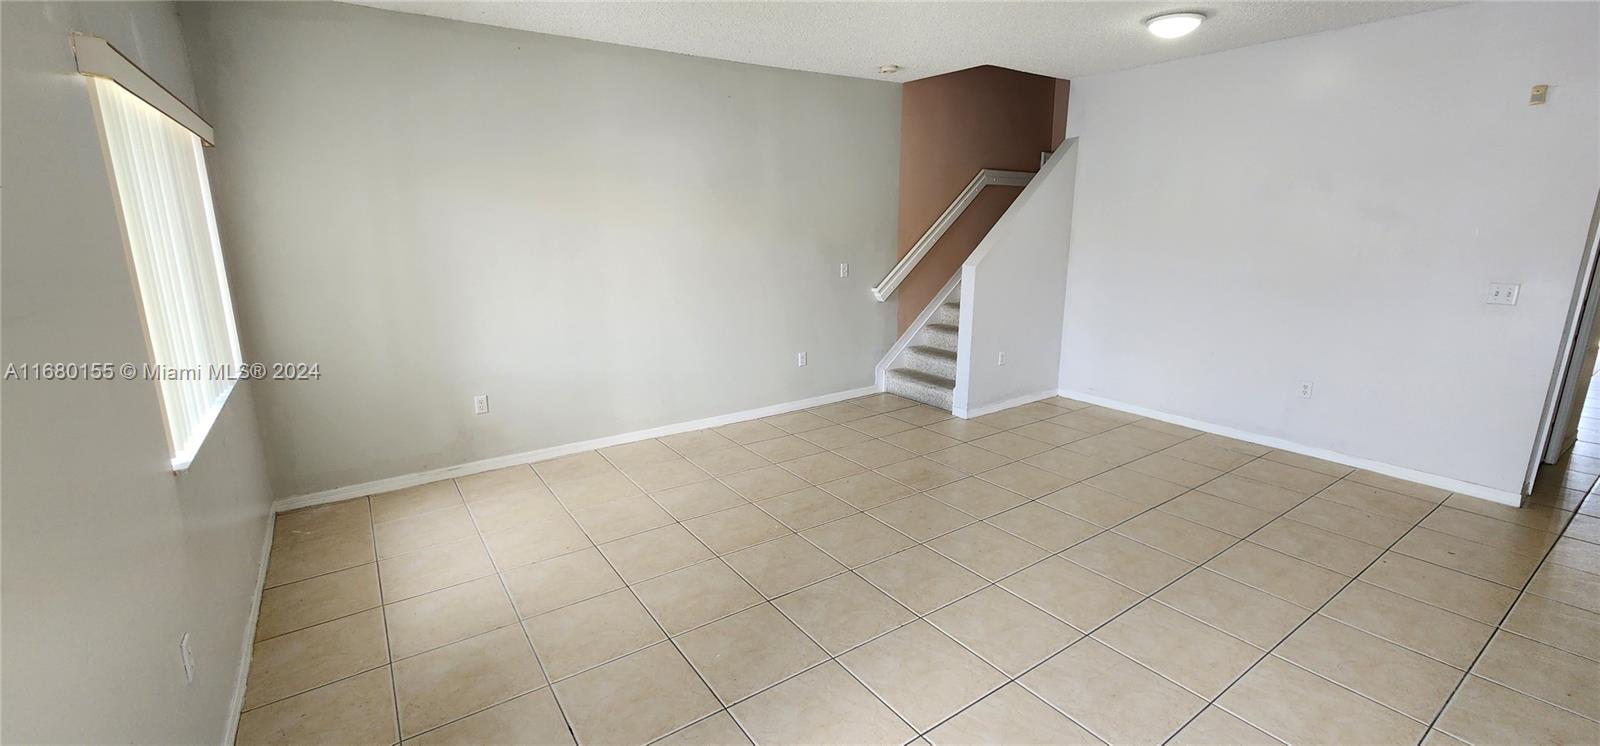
{"x": 926, "y": 370}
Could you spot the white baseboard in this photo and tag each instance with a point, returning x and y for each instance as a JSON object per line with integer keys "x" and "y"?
{"x": 1018, "y": 401}
{"x": 544, "y": 454}
{"x": 1399, "y": 472}
{"x": 231, "y": 734}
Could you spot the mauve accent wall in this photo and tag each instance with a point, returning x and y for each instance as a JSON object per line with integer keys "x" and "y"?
{"x": 950, "y": 127}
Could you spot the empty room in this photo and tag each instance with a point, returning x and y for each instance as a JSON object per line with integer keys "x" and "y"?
{"x": 799, "y": 373}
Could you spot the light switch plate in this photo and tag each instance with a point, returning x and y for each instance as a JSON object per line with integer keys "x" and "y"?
{"x": 1503, "y": 293}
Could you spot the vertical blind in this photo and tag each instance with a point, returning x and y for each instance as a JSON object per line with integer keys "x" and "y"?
{"x": 159, "y": 173}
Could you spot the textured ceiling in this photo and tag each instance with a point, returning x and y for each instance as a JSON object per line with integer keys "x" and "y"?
{"x": 1059, "y": 39}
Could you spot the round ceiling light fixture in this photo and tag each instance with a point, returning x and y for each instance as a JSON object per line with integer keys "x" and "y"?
{"x": 888, "y": 69}
{"x": 1174, "y": 25}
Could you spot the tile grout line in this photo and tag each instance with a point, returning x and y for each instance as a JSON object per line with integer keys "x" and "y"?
{"x": 1495, "y": 631}
{"x": 388, "y": 660}
{"x": 1151, "y": 596}
{"x": 852, "y": 571}
{"x": 996, "y": 583}
{"x": 915, "y": 616}
{"x": 667, "y": 637}
{"x": 383, "y": 609}
{"x": 1353, "y": 579}
{"x": 987, "y": 583}
{"x": 499, "y": 575}
{"x": 371, "y": 527}
{"x": 717, "y": 478}
{"x": 388, "y": 646}
{"x": 1087, "y": 634}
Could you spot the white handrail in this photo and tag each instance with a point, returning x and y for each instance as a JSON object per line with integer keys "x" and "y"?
{"x": 920, "y": 249}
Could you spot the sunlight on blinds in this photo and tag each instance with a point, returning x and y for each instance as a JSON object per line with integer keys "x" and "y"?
{"x": 160, "y": 181}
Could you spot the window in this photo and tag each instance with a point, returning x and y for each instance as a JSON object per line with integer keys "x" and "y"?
{"x": 158, "y": 172}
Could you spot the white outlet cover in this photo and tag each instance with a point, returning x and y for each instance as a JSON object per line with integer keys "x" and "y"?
{"x": 844, "y": 270}
{"x": 800, "y": 360}
{"x": 480, "y": 404}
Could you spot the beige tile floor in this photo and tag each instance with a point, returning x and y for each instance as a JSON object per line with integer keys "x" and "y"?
{"x": 874, "y": 571}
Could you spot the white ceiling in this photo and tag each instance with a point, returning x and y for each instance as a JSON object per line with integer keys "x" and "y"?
{"x": 1058, "y": 39}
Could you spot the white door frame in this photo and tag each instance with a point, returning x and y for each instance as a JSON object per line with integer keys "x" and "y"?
{"x": 1580, "y": 330}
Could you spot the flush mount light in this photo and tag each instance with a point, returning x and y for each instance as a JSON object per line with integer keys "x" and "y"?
{"x": 1174, "y": 25}
{"x": 888, "y": 69}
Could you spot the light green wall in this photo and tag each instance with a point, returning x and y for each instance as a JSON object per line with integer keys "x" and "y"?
{"x": 602, "y": 239}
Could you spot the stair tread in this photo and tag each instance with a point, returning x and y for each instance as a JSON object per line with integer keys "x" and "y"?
{"x": 943, "y": 327}
{"x": 930, "y": 351}
{"x": 923, "y": 378}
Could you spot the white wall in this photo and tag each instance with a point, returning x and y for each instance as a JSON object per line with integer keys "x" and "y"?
{"x": 108, "y": 557}
{"x": 1331, "y": 208}
{"x": 1012, "y": 289}
{"x": 602, "y": 239}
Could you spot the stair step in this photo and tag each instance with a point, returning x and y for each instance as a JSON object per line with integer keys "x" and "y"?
{"x": 925, "y": 379}
{"x": 937, "y": 352}
{"x": 948, "y": 313}
{"x": 942, "y": 336}
{"x": 934, "y": 360}
{"x": 930, "y": 389}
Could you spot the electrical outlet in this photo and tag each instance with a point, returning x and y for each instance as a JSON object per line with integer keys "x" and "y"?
{"x": 1503, "y": 293}
{"x": 1000, "y": 359}
{"x": 1305, "y": 389}
{"x": 188, "y": 659}
{"x": 800, "y": 360}
{"x": 480, "y": 404}
{"x": 844, "y": 269}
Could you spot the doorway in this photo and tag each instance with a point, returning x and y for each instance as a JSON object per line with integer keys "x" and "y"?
{"x": 1568, "y": 456}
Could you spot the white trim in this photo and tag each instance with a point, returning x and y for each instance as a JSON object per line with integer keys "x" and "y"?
{"x": 1017, "y": 401}
{"x": 544, "y": 454}
{"x": 986, "y": 177}
{"x": 97, "y": 58}
{"x": 231, "y": 732}
{"x": 197, "y": 436}
{"x": 900, "y": 345}
{"x": 1399, "y": 472}
{"x": 1550, "y": 441}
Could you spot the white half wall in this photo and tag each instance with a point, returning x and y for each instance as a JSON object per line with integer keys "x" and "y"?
{"x": 1012, "y": 290}
{"x": 1331, "y": 209}
{"x": 601, "y": 239}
